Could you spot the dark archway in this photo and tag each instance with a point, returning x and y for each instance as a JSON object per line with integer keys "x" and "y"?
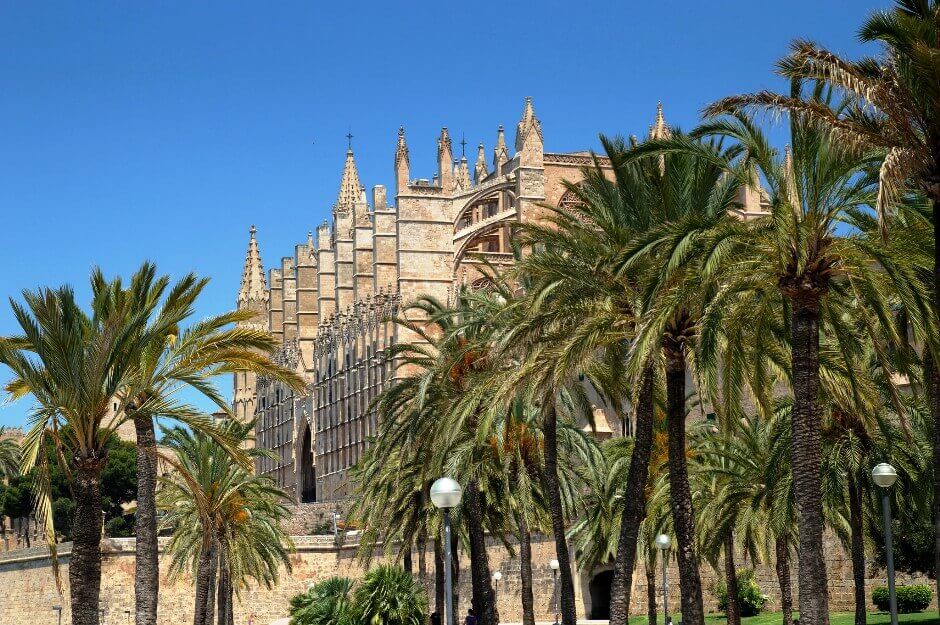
{"x": 600, "y": 595}
{"x": 308, "y": 473}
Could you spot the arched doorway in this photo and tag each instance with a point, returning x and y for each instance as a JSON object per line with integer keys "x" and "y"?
{"x": 308, "y": 473}
{"x": 600, "y": 595}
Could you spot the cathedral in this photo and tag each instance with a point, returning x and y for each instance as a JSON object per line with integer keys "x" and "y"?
{"x": 331, "y": 301}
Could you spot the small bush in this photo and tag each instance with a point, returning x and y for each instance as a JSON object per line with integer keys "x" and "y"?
{"x": 913, "y": 598}
{"x": 750, "y": 597}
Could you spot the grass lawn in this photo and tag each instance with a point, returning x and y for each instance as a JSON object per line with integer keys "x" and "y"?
{"x": 928, "y": 617}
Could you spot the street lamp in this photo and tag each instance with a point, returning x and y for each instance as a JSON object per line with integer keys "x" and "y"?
{"x": 663, "y": 542}
{"x": 446, "y": 494}
{"x": 58, "y": 610}
{"x": 885, "y": 476}
{"x": 553, "y": 564}
{"x": 496, "y": 577}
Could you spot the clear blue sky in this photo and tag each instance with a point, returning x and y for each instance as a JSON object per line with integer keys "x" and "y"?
{"x": 161, "y": 131}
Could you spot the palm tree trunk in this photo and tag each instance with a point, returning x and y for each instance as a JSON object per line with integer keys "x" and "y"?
{"x": 733, "y": 611}
{"x": 525, "y": 572}
{"x": 680, "y": 494}
{"x": 213, "y": 584}
{"x": 422, "y": 556}
{"x": 85, "y": 561}
{"x": 483, "y": 596}
{"x": 650, "y": 590}
{"x": 635, "y": 505}
{"x": 553, "y": 491}
{"x": 406, "y": 559}
{"x": 439, "y": 578}
{"x": 205, "y": 579}
{"x": 225, "y": 588}
{"x": 858, "y": 549}
{"x": 782, "y": 562}
{"x": 147, "y": 572}
{"x": 805, "y": 452}
{"x": 932, "y": 373}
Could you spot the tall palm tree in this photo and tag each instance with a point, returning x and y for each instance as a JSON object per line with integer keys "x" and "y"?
{"x": 896, "y": 109}
{"x": 694, "y": 197}
{"x": 817, "y": 272}
{"x": 74, "y": 364}
{"x": 9, "y": 455}
{"x": 586, "y": 312}
{"x": 226, "y": 521}
{"x": 175, "y": 358}
{"x": 443, "y": 359}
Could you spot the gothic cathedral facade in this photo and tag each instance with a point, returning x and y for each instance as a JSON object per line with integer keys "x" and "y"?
{"x": 330, "y": 303}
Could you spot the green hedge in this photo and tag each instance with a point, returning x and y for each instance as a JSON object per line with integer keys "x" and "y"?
{"x": 914, "y": 598}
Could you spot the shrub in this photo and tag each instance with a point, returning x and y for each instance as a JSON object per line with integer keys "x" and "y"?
{"x": 326, "y": 603}
{"x": 388, "y": 595}
{"x": 913, "y": 598}
{"x": 750, "y": 597}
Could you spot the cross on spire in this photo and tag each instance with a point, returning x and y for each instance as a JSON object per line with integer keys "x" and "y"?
{"x": 349, "y": 138}
{"x": 463, "y": 145}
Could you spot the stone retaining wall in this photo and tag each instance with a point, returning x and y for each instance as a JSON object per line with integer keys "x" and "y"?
{"x": 27, "y": 589}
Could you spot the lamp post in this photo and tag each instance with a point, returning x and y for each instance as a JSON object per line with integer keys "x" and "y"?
{"x": 553, "y": 564}
{"x": 662, "y": 542}
{"x": 885, "y": 476}
{"x": 58, "y": 610}
{"x": 446, "y": 494}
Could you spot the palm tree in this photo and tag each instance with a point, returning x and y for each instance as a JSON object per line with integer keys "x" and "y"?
{"x": 750, "y": 465}
{"x": 895, "y": 108}
{"x": 581, "y": 307}
{"x": 225, "y": 520}
{"x": 174, "y": 359}
{"x": 694, "y": 197}
{"x": 856, "y": 435}
{"x": 443, "y": 359}
{"x": 74, "y": 364}
{"x": 818, "y": 274}
{"x": 9, "y": 455}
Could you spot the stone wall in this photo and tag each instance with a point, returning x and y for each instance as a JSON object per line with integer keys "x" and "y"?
{"x": 27, "y": 588}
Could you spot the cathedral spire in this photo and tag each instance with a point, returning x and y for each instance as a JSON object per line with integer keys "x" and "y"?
{"x": 479, "y": 170}
{"x": 445, "y": 158}
{"x": 462, "y": 173}
{"x": 402, "y": 163}
{"x": 254, "y": 287}
{"x": 529, "y": 144}
{"x": 527, "y": 125}
{"x": 659, "y": 129}
{"x": 500, "y": 153}
{"x": 789, "y": 177}
{"x": 350, "y": 189}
